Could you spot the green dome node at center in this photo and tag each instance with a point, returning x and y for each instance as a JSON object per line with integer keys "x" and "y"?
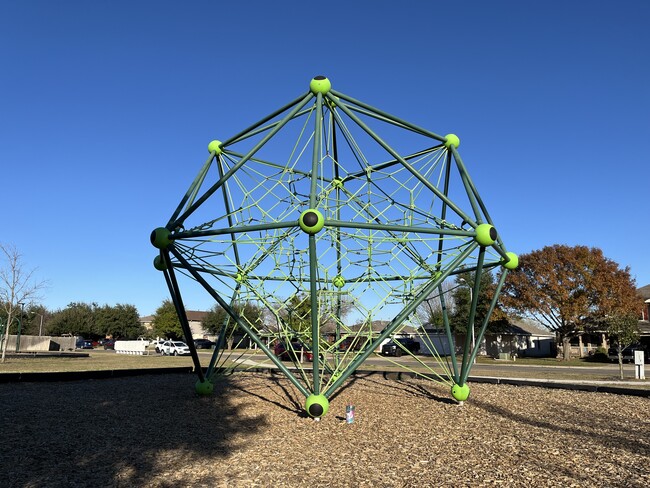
{"x": 320, "y": 84}
{"x": 311, "y": 221}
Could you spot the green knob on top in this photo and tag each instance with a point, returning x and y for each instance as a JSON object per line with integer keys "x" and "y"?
{"x": 320, "y": 84}
{"x": 452, "y": 140}
{"x": 214, "y": 147}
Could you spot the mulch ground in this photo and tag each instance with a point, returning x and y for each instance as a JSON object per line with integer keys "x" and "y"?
{"x": 154, "y": 431}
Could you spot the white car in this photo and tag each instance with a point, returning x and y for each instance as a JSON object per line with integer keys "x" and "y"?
{"x": 174, "y": 348}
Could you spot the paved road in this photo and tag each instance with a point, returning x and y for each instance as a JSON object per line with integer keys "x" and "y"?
{"x": 597, "y": 372}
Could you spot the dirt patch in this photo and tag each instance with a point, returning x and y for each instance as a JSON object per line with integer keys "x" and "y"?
{"x": 154, "y": 431}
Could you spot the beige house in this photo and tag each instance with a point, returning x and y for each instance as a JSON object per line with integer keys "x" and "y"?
{"x": 194, "y": 317}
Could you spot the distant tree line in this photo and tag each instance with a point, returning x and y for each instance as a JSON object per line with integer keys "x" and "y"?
{"x": 88, "y": 320}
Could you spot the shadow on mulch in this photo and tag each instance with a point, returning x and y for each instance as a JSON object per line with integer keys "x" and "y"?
{"x": 420, "y": 388}
{"x": 113, "y": 432}
{"x": 579, "y": 422}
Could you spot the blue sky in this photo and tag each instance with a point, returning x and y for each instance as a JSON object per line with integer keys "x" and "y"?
{"x": 106, "y": 110}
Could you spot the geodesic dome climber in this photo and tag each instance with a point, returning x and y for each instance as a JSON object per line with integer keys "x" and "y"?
{"x": 334, "y": 222}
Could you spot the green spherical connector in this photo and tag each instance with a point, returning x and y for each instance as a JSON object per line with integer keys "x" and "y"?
{"x": 214, "y": 147}
{"x": 160, "y": 238}
{"x": 460, "y": 393}
{"x": 452, "y": 140}
{"x": 514, "y": 261}
{"x": 311, "y": 221}
{"x": 204, "y": 388}
{"x": 320, "y": 84}
{"x": 240, "y": 277}
{"x": 338, "y": 281}
{"x": 159, "y": 263}
{"x": 486, "y": 235}
{"x": 317, "y": 405}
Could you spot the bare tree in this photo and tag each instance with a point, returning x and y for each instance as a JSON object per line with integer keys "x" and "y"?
{"x": 17, "y": 285}
{"x": 429, "y": 311}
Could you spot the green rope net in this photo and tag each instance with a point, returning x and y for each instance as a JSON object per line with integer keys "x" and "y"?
{"x": 321, "y": 230}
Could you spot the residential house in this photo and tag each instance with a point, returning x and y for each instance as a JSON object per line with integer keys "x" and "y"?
{"x": 194, "y": 317}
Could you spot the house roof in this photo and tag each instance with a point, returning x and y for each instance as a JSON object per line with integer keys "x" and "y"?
{"x": 192, "y": 316}
{"x": 195, "y": 315}
{"x": 527, "y": 327}
{"x": 644, "y": 327}
{"x": 644, "y": 291}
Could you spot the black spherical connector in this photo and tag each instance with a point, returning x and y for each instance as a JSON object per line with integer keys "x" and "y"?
{"x": 310, "y": 219}
{"x": 315, "y": 410}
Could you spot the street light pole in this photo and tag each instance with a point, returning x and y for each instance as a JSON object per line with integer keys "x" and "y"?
{"x": 20, "y": 325}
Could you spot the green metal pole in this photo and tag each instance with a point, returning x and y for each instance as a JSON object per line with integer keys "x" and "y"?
{"x": 388, "y": 116}
{"x": 194, "y": 187}
{"x": 172, "y": 284}
{"x": 399, "y": 228}
{"x": 20, "y": 326}
{"x": 472, "y": 313}
{"x": 313, "y": 264}
{"x": 188, "y": 234}
{"x": 450, "y": 337}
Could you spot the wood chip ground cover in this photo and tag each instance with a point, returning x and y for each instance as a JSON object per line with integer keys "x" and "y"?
{"x": 154, "y": 431}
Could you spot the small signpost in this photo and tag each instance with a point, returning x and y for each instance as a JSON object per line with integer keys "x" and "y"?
{"x": 639, "y": 366}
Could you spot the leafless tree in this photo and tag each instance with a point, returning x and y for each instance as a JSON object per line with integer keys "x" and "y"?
{"x": 17, "y": 285}
{"x": 431, "y": 308}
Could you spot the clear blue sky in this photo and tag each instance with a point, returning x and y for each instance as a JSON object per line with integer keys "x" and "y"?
{"x": 106, "y": 109}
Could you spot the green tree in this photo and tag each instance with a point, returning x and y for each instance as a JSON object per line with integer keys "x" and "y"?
{"x": 77, "y": 319}
{"x": 217, "y": 317}
{"x": 166, "y": 323}
{"x": 624, "y": 330}
{"x": 297, "y": 314}
{"x": 120, "y": 321}
{"x": 568, "y": 289}
{"x": 462, "y": 297}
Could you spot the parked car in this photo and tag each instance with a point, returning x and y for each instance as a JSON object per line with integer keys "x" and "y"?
{"x": 84, "y": 343}
{"x": 628, "y": 352}
{"x": 293, "y": 353}
{"x": 156, "y": 343}
{"x": 352, "y": 343}
{"x": 203, "y": 344}
{"x": 109, "y": 344}
{"x": 393, "y": 348}
{"x": 174, "y": 348}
